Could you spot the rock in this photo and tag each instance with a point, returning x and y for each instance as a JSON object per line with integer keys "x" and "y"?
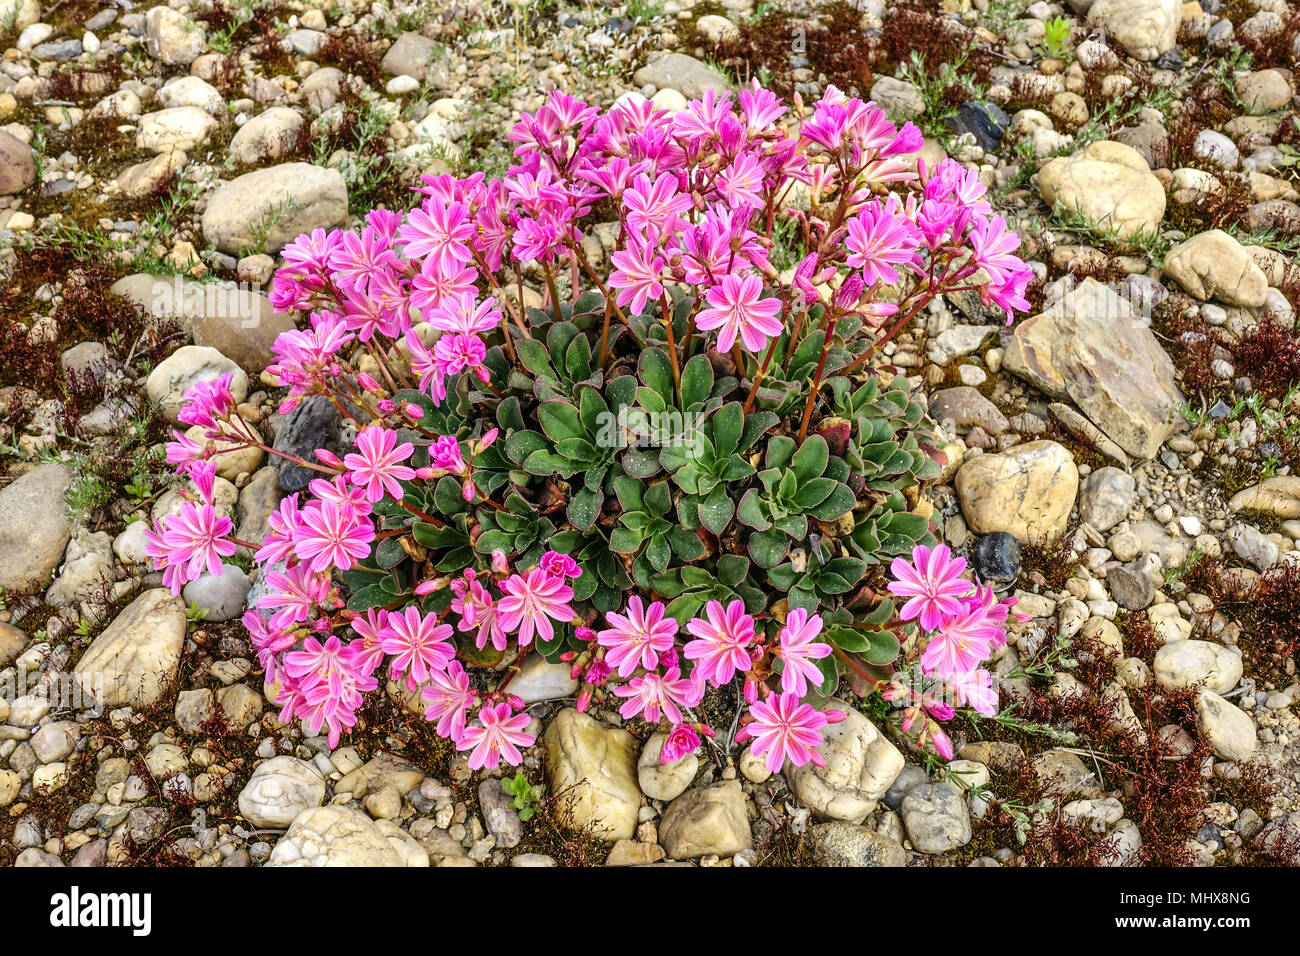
{"x": 540, "y": 680}
{"x": 1213, "y": 265}
{"x": 172, "y": 37}
{"x": 240, "y": 705}
{"x": 17, "y": 162}
{"x": 1280, "y": 838}
{"x": 683, "y": 73}
{"x": 17, "y": 15}
{"x": 1109, "y": 185}
{"x": 965, "y": 407}
{"x": 631, "y": 853}
{"x": 1225, "y": 727}
{"x": 1264, "y": 91}
{"x": 137, "y": 656}
{"x": 173, "y": 376}
{"x": 314, "y": 423}
{"x": 382, "y": 770}
{"x": 501, "y": 819}
{"x": 257, "y": 500}
{"x": 997, "y": 558}
{"x": 1279, "y": 495}
{"x": 844, "y": 844}
{"x": 191, "y": 91}
{"x": 664, "y": 781}
{"x": 1183, "y": 663}
{"x": 958, "y": 341}
{"x": 1213, "y": 147}
{"x": 1131, "y": 586}
{"x": 592, "y": 769}
{"x": 1105, "y": 497}
{"x": 1274, "y": 215}
{"x": 12, "y": 642}
{"x": 910, "y": 776}
{"x": 936, "y": 817}
{"x": 144, "y": 179}
{"x": 1026, "y": 491}
{"x": 222, "y": 596}
{"x": 986, "y": 122}
{"x": 1253, "y": 546}
{"x": 1145, "y": 28}
{"x": 34, "y": 526}
{"x": 706, "y": 820}
{"x": 1090, "y": 348}
{"x": 898, "y": 97}
{"x": 87, "y": 570}
{"x": 861, "y": 765}
{"x": 712, "y": 28}
{"x": 269, "y": 135}
{"x": 53, "y": 742}
{"x": 264, "y": 209}
{"x": 1062, "y": 774}
{"x": 410, "y": 55}
{"x": 335, "y": 836}
{"x": 194, "y": 708}
{"x": 178, "y": 129}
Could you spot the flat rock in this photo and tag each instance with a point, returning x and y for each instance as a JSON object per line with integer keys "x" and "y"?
{"x": 966, "y": 407}
{"x": 137, "y": 656}
{"x": 1279, "y": 495}
{"x": 1182, "y": 664}
{"x": 335, "y": 836}
{"x": 1091, "y": 349}
{"x": 706, "y": 820}
{"x": 592, "y": 769}
{"x": 269, "y": 207}
{"x": 34, "y": 526}
{"x": 1026, "y": 491}
{"x": 1225, "y": 727}
{"x": 1213, "y": 265}
{"x": 1145, "y": 28}
{"x": 683, "y": 73}
{"x": 861, "y": 765}
{"x": 844, "y": 844}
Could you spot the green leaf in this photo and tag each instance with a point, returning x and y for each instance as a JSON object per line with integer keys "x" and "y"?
{"x": 656, "y": 371}
{"x": 624, "y": 541}
{"x": 584, "y": 508}
{"x": 768, "y": 548}
{"x": 560, "y": 420}
{"x": 838, "y": 502}
{"x": 717, "y": 510}
{"x": 521, "y": 444}
{"x": 697, "y": 381}
{"x": 810, "y": 460}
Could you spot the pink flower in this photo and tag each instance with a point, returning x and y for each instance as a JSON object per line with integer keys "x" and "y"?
{"x": 653, "y": 208}
{"x": 560, "y": 565}
{"x": 637, "y": 638}
{"x": 798, "y": 651}
{"x": 737, "y": 310}
{"x": 655, "y": 694}
{"x": 976, "y": 690}
{"x": 439, "y": 231}
{"x": 532, "y": 602}
{"x": 500, "y": 735}
{"x": 638, "y": 275}
{"x": 682, "y": 740}
{"x": 375, "y": 466}
{"x": 191, "y": 540}
{"x": 963, "y": 641}
{"x": 419, "y": 645}
{"x": 293, "y": 595}
{"x": 477, "y": 609}
{"x": 721, "y": 642}
{"x": 331, "y": 537}
{"x": 784, "y": 729}
{"x": 449, "y": 696}
{"x": 444, "y": 453}
{"x": 933, "y": 582}
{"x": 878, "y": 241}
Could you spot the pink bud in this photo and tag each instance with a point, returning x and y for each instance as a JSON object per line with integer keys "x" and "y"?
{"x": 368, "y": 383}
{"x": 328, "y": 457}
{"x": 488, "y": 438}
{"x": 430, "y": 586}
{"x": 584, "y": 699}
{"x": 941, "y": 743}
{"x": 835, "y": 716}
{"x": 584, "y": 634}
{"x": 751, "y": 690}
{"x": 468, "y": 492}
{"x": 516, "y": 703}
{"x": 427, "y": 472}
{"x": 386, "y": 406}
{"x": 413, "y": 411}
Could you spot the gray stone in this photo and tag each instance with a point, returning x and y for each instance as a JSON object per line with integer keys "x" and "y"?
{"x": 844, "y": 844}
{"x": 34, "y": 526}
{"x": 683, "y": 73}
{"x": 263, "y": 210}
{"x": 222, "y": 596}
{"x": 279, "y": 790}
{"x": 936, "y": 817}
{"x": 501, "y": 819}
{"x": 1105, "y": 497}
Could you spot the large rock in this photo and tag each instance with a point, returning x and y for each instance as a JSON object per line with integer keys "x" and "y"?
{"x": 936, "y": 817}
{"x": 707, "y": 820}
{"x": 1026, "y": 491}
{"x": 270, "y": 207}
{"x": 269, "y": 135}
{"x": 1110, "y": 186}
{"x": 1090, "y": 348}
{"x": 661, "y": 781}
{"x": 179, "y": 128}
{"x": 138, "y": 656}
{"x": 861, "y": 765}
{"x": 1145, "y": 28}
{"x": 591, "y": 770}
{"x": 1279, "y": 495}
{"x": 1214, "y": 265}
{"x": 682, "y": 73}
{"x": 845, "y": 844}
{"x": 1182, "y": 664}
{"x": 411, "y": 54}
{"x": 339, "y": 836}
{"x": 279, "y": 790}
{"x": 17, "y": 15}
{"x": 17, "y": 164}
{"x": 172, "y": 37}
{"x": 34, "y": 526}
{"x": 168, "y": 383}
{"x": 1225, "y": 727}
{"x": 1106, "y": 496}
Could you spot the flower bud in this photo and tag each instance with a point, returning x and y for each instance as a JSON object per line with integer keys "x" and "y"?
{"x": 368, "y": 383}
{"x": 584, "y": 699}
{"x": 327, "y": 457}
{"x": 499, "y": 563}
{"x": 386, "y": 406}
{"x": 413, "y": 411}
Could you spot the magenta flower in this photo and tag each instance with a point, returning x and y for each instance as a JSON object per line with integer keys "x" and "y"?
{"x": 444, "y": 453}
{"x": 419, "y": 645}
{"x": 653, "y": 208}
{"x": 477, "y": 609}
{"x": 638, "y": 275}
{"x": 798, "y": 651}
{"x": 532, "y": 601}
{"x": 682, "y": 740}
{"x": 439, "y": 231}
{"x": 722, "y": 639}
{"x": 737, "y": 311}
{"x": 784, "y": 729}
{"x": 933, "y": 583}
{"x": 449, "y": 696}
{"x": 560, "y": 565}
{"x": 878, "y": 241}
{"x": 975, "y": 689}
{"x": 293, "y": 595}
{"x": 500, "y": 735}
{"x": 961, "y": 642}
{"x": 656, "y": 694}
{"x": 331, "y": 537}
{"x": 190, "y": 541}
{"x": 636, "y": 639}
{"x": 376, "y": 466}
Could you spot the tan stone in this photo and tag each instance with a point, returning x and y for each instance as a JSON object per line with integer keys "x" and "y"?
{"x": 591, "y": 770}
{"x": 1026, "y": 491}
{"x": 1109, "y": 185}
{"x": 1213, "y": 265}
{"x": 1279, "y": 495}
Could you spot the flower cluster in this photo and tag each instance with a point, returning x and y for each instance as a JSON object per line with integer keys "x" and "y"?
{"x": 478, "y": 503}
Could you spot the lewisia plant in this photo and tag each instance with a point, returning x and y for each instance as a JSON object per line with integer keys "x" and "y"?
{"x": 500, "y": 500}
